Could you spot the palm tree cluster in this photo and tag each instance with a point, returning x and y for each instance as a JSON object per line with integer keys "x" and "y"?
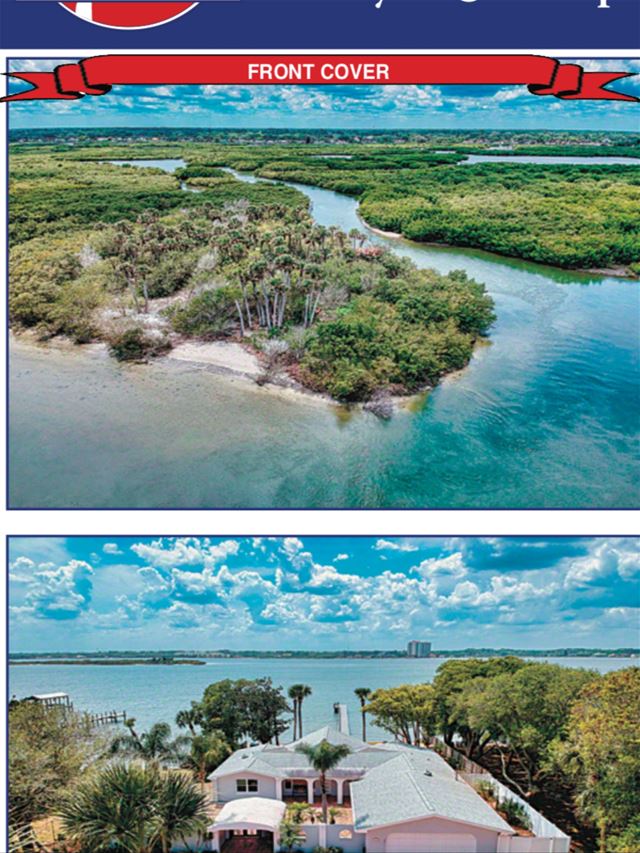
{"x": 133, "y": 808}
{"x": 298, "y": 693}
{"x": 267, "y": 268}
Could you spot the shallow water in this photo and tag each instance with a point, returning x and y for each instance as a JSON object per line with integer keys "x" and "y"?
{"x": 546, "y": 414}
{"x": 549, "y": 159}
{"x": 156, "y": 693}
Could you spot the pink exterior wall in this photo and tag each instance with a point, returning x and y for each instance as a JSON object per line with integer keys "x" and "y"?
{"x": 486, "y": 839}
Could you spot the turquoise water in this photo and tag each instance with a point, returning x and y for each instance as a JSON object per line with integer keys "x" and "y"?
{"x": 546, "y": 414}
{"x": 165, "y": 165}
{"x": 155, "y": 693}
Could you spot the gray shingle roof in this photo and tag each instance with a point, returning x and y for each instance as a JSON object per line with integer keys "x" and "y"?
{"x": 399, "y": 783}
{"x": 285, "y": 762}
{"x": 334, "y": 736}
{"x": 414, "y": 785}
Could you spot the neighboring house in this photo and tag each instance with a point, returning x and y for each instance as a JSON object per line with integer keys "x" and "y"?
{"x": 393, "y": 798}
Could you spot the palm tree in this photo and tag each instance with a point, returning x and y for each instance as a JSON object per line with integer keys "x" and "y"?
{"x": 290, "y": 835}
{"x": 293, "y": 695}
{"x": 306, "y": 691}
{"x": 363, "y": 694}
{"x": 324, "y": 757}
{"x": 208, "y": 751}
{"x": 154, "y": 746}
{"x": 113, "y": 810}
{"x": 133, "y": 808}
{"x": 181, "y": 810}
{"x": 298, "y": 692}
{"x": 188, "y": 719}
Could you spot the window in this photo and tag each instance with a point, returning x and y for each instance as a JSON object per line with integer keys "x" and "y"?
{"x": 246, "y": 786}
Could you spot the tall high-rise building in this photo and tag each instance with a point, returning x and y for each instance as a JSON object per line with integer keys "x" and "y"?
{"x": 418, "y": 649}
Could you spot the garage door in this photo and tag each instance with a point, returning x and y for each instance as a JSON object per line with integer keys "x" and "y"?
{"x": 425, "y": 842}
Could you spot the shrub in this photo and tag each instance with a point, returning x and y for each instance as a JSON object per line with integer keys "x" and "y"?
{"x": 135, "y": 344}
{"x": 170, "y": 274}
{"x": 38, "y": 269}
{"x": 209, "y": 315}
{"x": 515, "y": 813}
{"x": 75, "y": 309}
{"x": 486, "y": 790}
{"x": 627, "y": 841}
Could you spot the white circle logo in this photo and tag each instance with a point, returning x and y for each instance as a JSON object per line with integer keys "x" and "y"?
{"x": 128, "y": 16}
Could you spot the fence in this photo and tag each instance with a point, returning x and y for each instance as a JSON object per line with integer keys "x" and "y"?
{"x": 23, "y": 840}
{"x": 547, "y": 837}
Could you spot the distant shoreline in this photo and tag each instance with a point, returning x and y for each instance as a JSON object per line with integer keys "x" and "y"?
{"x": 105, "y": 662}
{"x": 195, "y": 658}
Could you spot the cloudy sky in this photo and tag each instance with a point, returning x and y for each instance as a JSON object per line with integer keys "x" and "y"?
{"x": 321, "y": 107}
{"x": 322, "y": 592}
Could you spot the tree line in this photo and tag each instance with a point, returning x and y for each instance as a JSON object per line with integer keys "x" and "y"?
{"x": 544, "y": 729}
{"x": 567, "y": 215}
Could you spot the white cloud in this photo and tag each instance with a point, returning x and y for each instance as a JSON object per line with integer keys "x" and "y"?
{"x": 248, "y": 588}
{"x": 111, "y": 548}
{"x": 606, "y": 559}
{"x": 292, "y": 545}
{"x": 397, "y": 545}
{"x": 185, "y": 551}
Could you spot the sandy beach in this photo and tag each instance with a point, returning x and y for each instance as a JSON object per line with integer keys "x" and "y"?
{"x": 228, "y": 356}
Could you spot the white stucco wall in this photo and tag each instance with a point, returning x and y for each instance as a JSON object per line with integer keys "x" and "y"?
{"x": 192, "y": 844}
{"x": 226, "y": 787}
{"x": 350, "y": 845}
{"x": 486, "y": 839}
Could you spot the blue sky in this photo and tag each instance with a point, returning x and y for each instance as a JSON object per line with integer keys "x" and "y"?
{"x": 322, "y": 107}
{"x": 88, "y": 594}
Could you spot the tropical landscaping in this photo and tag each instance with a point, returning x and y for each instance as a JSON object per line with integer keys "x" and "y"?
{"x": 564, "y": 740}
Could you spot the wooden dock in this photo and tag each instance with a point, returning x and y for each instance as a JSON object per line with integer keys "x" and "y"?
{"x": 108, "y": 718}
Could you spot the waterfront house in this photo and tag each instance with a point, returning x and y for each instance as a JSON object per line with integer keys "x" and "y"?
{"x": 386, "y": 798}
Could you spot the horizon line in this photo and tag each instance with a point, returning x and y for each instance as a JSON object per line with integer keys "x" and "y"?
{"x": 326, "y": 130}
{"x": 437, "y": 652}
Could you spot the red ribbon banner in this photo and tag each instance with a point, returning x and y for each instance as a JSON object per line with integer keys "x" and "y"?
{"x": 96, "y": 75}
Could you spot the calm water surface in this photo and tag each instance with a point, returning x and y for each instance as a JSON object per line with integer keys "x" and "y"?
{"x": 154, "y": 693}
{"x": 548, "y": 160}
{"x": 545, "y": 415}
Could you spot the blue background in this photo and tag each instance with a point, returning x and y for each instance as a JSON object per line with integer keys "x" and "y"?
{"x": 341, "y": 24}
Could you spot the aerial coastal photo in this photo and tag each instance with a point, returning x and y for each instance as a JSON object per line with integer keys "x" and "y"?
{"x": 343, "y": 297}
{"x": 324, "y": 694}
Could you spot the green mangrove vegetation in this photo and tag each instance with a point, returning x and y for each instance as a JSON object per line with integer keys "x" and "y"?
{"x": 142, "y": 259}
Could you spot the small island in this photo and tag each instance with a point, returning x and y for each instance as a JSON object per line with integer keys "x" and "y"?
{"x": 318, "y": 309}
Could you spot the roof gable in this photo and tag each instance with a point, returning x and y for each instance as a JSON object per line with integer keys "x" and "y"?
{"x": 418, "y": 784}
{"x": 331, "y": 734}
{"x": 284, "y": 761}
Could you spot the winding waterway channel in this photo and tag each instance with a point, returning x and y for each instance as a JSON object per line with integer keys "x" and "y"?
{"x": 545, "y": 415}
